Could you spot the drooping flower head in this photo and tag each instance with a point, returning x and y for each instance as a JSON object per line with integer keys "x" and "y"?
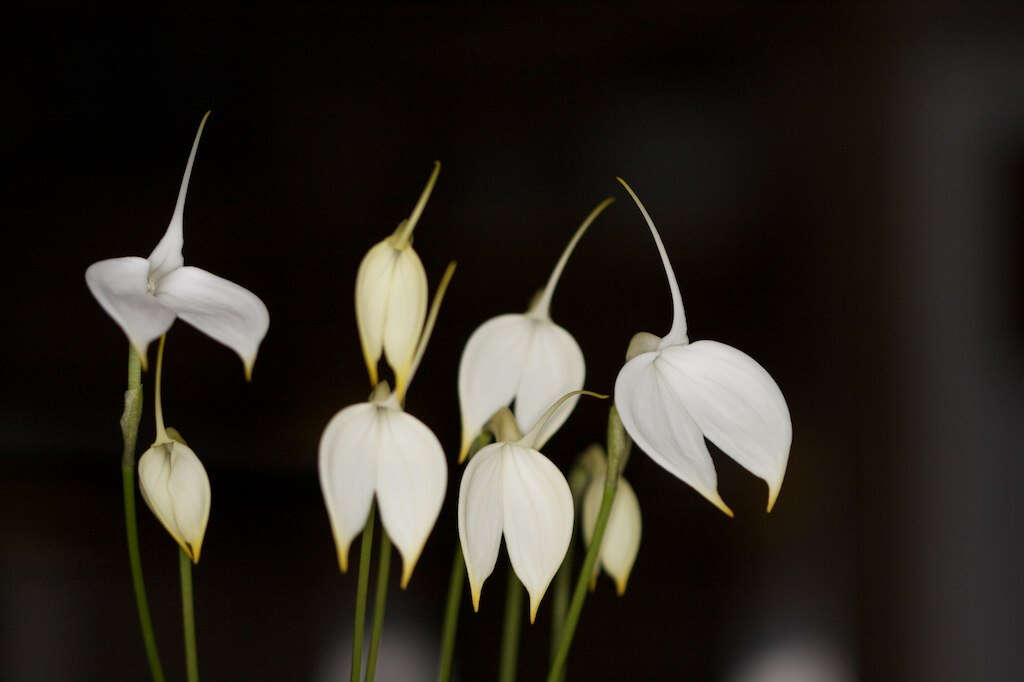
{"x": 145, "y": 295}
{"x": 671, "y": 394}
{"x": 377, "y": 448}
{"x": 391, "y": 297}
{"x": 525, "y": 358}
{"x": 509, "y": 488}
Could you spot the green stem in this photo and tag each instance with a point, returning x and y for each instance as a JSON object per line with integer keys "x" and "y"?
{"x": 130, "y": 419}
{"x": 188, "y": 616}
{"x": 618, "y": 446}
{"x": 456, "y": 582}
{"x": 451, "y": 614}
{"x": 365, "y": 548}
{"x": 510, "y": 631}
{"x": 379, "y": 602}
{"x": 560, "y": 600}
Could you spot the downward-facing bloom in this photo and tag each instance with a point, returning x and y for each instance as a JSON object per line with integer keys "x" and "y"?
{"x": 509, "y": 488}
{"x": 671, "y": 394}
{"x": 525, "y": 358}
{"x": 621, "y": 540}
{"x": 377, "y": 448}
{"x": 145, "y": 295}
{"x": 391, "y": 297}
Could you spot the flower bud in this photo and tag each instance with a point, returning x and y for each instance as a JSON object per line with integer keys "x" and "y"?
{"x": 176, "y": 489}
{"x": 622, "y": 534}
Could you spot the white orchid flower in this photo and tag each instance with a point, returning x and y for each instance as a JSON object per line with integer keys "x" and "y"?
{"x": 621, "y": 541}
{"x": 509, "y": 488}
{"x": 145, "y": 295}
{"x": 174, "y": 483}
{"x": 671, "y": 394}
{"x": 525, "y": 358}
{"x": 376, "y": 447}
{"x": 391, "y": 297}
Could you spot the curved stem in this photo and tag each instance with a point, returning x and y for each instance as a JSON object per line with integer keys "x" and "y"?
{"x": 161, "y": 432}
{"x": 511, "y": 629}
{"x": 365, "y": 547}
{"x": 616, "y": 449}
{"x": 130, "y": 419}
{"x": 379, "y": 602}
{"x": 188, "y": 616}
{"x": 542, "y": 307}
{"x": 403, "y": 235}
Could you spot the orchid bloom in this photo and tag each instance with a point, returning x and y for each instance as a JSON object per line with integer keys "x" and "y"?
{"x": 525, "y": 358}
{"x": 173, "y": 481}
{"x": 391, "y": 296}
{"x": 145, "y": 295}
{"x": 671, "y": 394}
{"x": 621, "y": 541}
{"x": 376, "y": 447}
{"x": 509, "y": 488}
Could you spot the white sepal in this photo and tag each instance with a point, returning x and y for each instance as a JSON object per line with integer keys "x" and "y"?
{"x": 621, "y": 540}
{"x": 176, "y": 489}
{"x": 538, "y": 518}
{"x": 348, "y": 472}
{"x": 120, "y": 287}
{"x": 223, "y": 310}
{"x": 737, "y": 405}
{"x": 510, "y": 488}
{"x": 412, "y": 477}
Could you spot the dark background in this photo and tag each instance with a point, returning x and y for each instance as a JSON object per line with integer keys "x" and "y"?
{"x": 840, "y": 191}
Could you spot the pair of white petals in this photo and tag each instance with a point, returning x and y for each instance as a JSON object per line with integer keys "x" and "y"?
{"x": 145, "y": 295}
{"x": 175, "y": 487}
{"x": 391, "y": 297}
{"x": 376, "y": 448}
{"x": 621, "y": 541}
{"x": 672, "y": 394}
{"x": 510, "y": 489}
{"x": 525, "y": 358}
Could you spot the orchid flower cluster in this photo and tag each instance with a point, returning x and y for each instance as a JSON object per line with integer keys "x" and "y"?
{"x": 519, "y": 379}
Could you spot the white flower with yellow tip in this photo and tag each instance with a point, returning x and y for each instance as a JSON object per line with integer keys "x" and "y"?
{"x": 509, "y": 488}
{"x": 377, "y": 448}
{"x": 145, "y": 295}
{"x": 671, "y": 394}
{"x": 525, "y": 358}
{"x": 621, "y": 540}
{"x": 391, "y": 297}
{"x": 173, "y": 481}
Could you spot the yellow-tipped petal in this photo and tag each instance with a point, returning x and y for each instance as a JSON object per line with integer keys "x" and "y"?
{"x": 620, "y": 586}
{"x": 534, "y": 605}
{"x": 475, "y": 592}
{"x": 773, "y": 495}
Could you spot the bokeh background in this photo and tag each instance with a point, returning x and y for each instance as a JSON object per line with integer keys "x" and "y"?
{"x": 841, "y": 191}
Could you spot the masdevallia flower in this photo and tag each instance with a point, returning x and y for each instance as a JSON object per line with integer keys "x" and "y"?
{"x": 145, "y": 295}
{"x": 509, "y": 488}
{"x": 173, "y": 481}
{"x": 621, "y": 540}
{"x": 376, "y": 447}
{"x": 671, "y": 394}
{"x": 391, "y": 297}
{"x": 525, "y": 358}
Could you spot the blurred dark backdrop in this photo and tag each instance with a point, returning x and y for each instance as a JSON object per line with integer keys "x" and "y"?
{"x": 840, "y": 190}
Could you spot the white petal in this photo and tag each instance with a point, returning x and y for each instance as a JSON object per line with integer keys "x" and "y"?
{"x": 348, "y": 471}
{"x": 407, "y": 308}
{"x": 176, "y": 488}
{"x": 622, "y": 534}
{"x": 656, "y": 419}
{"x": 736, "y": 404}
{"x": 220, "y": 309}
{"x": 412, "y": 476}
{"x": 538, "y": 518}
{"x": 481, "y": 515}
{"x": 490, "y": 369}
{"x": 119, "y": 284}
{"x": 373, "y": 285}
{"x": 554, "y": 366}
{"x": 167, "y": 254}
